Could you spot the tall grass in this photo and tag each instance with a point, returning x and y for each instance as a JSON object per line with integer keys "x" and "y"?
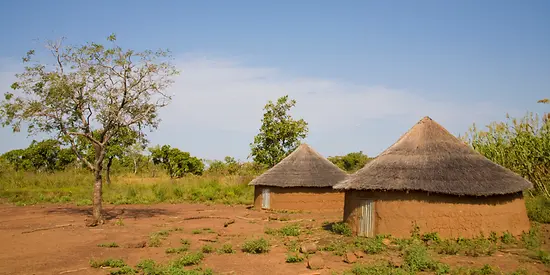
{"x": 75, "y": 186}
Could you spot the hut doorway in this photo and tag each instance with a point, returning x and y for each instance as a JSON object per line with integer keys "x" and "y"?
{"x": 266, "y": 198}
{"x": 366, "y": 218}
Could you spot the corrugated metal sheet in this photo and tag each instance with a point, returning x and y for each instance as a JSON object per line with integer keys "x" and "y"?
{"x": 265, "y": 198}
{"x": 366, "y": 219}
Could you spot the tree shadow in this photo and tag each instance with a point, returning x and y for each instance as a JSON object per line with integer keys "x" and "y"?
{"x": 114, "y": 213}
{"x": 328, "y": 226}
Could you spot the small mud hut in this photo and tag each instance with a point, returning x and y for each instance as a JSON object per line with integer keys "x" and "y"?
{"x": 301, "y": 181}
{"x": 434, "y": 180}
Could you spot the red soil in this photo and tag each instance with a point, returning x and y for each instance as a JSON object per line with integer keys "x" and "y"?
{"x": 68, "y": 250}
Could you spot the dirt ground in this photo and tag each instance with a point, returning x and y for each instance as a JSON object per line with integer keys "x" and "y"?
{"x": 68, "y": 248}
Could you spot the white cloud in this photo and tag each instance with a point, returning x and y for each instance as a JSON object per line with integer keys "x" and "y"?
{"x": 218, "y": 104}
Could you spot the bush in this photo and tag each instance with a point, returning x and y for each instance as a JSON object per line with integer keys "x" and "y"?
{"x": 377, "y": 269}
{"x": 107, "y": 263}
{"x": 538, "y": 208}
{"x": 256, "y": 246}
{"x": 294, "y": 258}
{"x": 207, "y": 249}
{"x": 188, "y": 259}
{"x": 370, "y": 245}
{"x": 226, "y": 249}
{"x": 341, "y": 228}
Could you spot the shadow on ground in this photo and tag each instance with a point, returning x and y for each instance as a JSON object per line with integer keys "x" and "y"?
{"x": 115, "y": 213}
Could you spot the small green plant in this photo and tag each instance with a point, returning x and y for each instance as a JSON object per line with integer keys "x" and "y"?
{"x": 432, "y": 236}
{"x": 370, "y": 245}
{"x": 192, "y": 258}
{"x": 376, "y": 269}
{"x": 107, "y": 263}
{"x": 123, "y": 270}
{"x": 112, "y": 245}
{"x": 493, "y": 237}
{"x": 207, "y": 249}
{"x": 415, "y": 231}
{"x": 256, "y": 246}
{"x": 155, "y": 239}
{"x": 341, "y": 228}
{"x": 196, "y": 231}
{"x": 544, "y": 257}
{"x": 416, "y": 258}
{"x": 290, "y": 230}
{"x": 337, "y": 247}
{"x": 448, "y": 247}
{"x": 532, "y": 239}
{"x": 185, "y": 241}
{"x": 294, "y": 258}
{"x": 507, "y": 238}
{"x": 226, "y": 249}
{"x": 119, "y": 222}
{"x": 292, "y": 246}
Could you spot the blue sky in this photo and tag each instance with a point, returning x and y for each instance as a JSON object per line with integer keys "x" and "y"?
{"x": 363, "y": 72}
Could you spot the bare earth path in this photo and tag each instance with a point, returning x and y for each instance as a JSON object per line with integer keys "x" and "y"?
{"x": 68, "y": 248}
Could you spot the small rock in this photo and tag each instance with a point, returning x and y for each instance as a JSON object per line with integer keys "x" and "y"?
{"x": 141, "y": 244}
{"x": 315, "y": 262}
{"x": 308, "y": 248}
{"x": 386, "y": 242}
{"x": 429, "y": 242}
{"x": 350, "y": 258}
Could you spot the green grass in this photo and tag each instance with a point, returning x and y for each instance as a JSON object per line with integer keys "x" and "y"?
{"x": 191, "y": 258}
{"x": 256, "y": 246}
{"x": 107, "y": 263}
{"x": 226, "y": 249}
{"x": 150, "y": 267}
{"x": 207, "y": 249}
{"x": 370, "y": 245}
{"x": 156, "y": 238}
{"x": 287, "y": 230}
{"x": 75, "y": 186}
{"x": 294, "y": 258}
{"x": 340, "y": 228}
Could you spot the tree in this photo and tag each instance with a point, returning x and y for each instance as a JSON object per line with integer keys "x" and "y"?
{"x": 350, "y": 162}
{"x": 279, "y": 135}
{"x": 118, "y": 147}
{"x": 176, "y": 162}
{"x": 90, "y": 88}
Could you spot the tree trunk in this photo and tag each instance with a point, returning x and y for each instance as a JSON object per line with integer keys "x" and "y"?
{"x": 135, "y": 166}
{"x": 97, "y": 209}
{"x": 108, "y": 171}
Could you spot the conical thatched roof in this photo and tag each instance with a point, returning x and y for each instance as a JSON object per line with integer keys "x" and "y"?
{"x": 429, "y": 158}
{"x": 302, "y": 168}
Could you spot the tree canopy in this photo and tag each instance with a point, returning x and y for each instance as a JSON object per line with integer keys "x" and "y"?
{"x": 280, "y": 133}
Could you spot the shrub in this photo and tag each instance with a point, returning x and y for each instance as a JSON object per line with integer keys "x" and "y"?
{"x": 532, "y": 239}
{"x": 507, "y": 238}
{"x": 538, "y": 208}
{"x": 188, "y": 259}
{"x": 294, "y": 258}
{"x": 376, "y": 269}
{"x": 290, "y": 230}
{"x": 341, "y": 228}
{"x": 207, "y": 249}
{"x": 107, "y": 263}
{"x": 370, "y": 245}
{"x": 256, "y": 246}
{"x": 226, "y": 249}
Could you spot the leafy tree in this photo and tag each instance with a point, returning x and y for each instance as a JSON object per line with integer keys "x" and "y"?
{"x": 46, "y": 155}
{"x": 521, "y": 145}
{"x": 118, "y": 147}
{"x": 89, "y": 88}
{"x": 176, "y": 162}
{"x": 134, "y": 153}
{"x": 279, "y": 135}
{"x": 350, "y": 162}
{"x": 229, "y": 166}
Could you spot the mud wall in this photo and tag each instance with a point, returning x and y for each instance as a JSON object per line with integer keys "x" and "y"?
{"x": 451, "y": 216}
{"x": 301, "y": 198}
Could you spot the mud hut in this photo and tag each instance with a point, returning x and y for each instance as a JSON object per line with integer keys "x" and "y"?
{"x": 434, "y": 180}
{"x": 301, "y": 181}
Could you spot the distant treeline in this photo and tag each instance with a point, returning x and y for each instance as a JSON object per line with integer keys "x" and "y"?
{"x": 50, "y": 155}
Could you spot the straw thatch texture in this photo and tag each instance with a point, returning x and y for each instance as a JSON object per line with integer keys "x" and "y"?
{"x": 429, "y": 158}
{"x": 302, "y": 168}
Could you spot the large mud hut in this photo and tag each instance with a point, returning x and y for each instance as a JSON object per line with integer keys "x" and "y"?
{"x": 301, "y": 181}
{"x": 434, "y": 180}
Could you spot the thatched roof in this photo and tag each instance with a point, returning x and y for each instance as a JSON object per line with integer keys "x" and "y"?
{"x": 302, "y": 168}
{"x": 429, "y": 158}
